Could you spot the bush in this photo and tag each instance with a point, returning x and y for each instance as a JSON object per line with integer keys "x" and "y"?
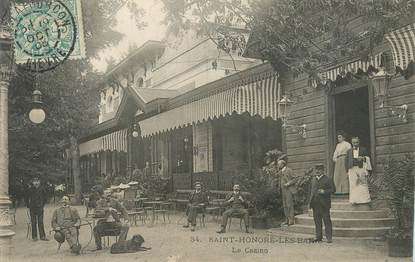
{"x": 396, "y": 185}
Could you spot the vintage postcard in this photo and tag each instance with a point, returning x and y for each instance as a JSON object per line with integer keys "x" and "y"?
{"x": 207, "y": 130}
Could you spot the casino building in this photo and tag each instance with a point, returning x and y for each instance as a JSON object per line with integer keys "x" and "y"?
{"x": 194, "y": 113}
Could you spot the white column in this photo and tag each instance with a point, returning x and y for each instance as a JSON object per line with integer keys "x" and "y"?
{"x": 6, "y": 232}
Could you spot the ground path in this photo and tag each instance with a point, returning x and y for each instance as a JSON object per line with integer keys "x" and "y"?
{"x": 173, "y": 243}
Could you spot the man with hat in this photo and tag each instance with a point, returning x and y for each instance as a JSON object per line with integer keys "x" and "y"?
{"x": 237, "y": 206}
{"x": 110, "y": 208}
{"x": 287, "y": 190}
{"x": 36, "y": 199}
{"x": 320, "y": 201}
{"x": 198, "y": 200}
{"x": 66, "y": 220}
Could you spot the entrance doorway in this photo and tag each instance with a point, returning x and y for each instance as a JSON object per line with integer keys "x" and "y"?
{"x": 352, "y": 115}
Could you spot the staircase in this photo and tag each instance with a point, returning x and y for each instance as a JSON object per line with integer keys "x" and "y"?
{"x": 349, "y": 221}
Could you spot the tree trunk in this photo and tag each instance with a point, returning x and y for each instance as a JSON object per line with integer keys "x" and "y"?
{"x": 75, "y": 169}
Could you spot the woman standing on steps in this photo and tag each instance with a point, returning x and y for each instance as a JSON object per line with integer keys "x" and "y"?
{"x": 341, "y": 180}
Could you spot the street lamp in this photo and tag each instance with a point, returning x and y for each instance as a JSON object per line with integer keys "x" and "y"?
{"x": 37, "y": 114}
{"x": 284, "y": 109}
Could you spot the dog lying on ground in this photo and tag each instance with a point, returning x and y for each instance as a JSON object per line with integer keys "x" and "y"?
{"x": 129, "y": 246}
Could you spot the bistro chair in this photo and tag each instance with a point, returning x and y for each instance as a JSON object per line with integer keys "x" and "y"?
{"x": 241, "y": 220}
{"x": 110, "y": 233}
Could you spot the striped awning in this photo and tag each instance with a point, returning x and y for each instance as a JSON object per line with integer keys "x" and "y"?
{"x": 352, "y": 67}
{"x": 116, "y": 141}
{"x": 258, "y": 97}
{"x": 402, "y": 42}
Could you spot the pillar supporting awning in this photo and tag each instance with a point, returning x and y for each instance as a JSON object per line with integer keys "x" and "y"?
{"x": 256, "y": 97}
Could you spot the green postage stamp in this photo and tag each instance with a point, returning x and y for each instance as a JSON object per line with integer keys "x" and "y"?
{"x": 47, "y": 33}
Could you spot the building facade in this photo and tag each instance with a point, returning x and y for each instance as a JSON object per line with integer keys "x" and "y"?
{"x": 200, "y": 118}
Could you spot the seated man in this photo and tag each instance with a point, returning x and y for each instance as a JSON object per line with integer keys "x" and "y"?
{"x": 110, "y": 209}
{"x": 198, "y": 200}
{"x": 66, "y": 219}
{"x": 237, "y": 206}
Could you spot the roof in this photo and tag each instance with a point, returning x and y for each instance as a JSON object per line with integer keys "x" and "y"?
{"x": 149, "y": 48}
{"x": 150, "y": 94}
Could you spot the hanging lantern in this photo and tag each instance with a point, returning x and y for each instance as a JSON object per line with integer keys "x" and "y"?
{"x": 380, "y": 82}
{"x": 37, "y": 114}
{"x": 285, "y": 105}
{"x": 135, "y": 131}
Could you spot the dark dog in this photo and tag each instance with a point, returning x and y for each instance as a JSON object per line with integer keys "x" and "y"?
{"x": 129, "y": 246}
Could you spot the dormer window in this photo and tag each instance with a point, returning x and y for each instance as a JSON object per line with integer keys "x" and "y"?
{"x": 140, "y": 82}
{"x": 109, "y": 104}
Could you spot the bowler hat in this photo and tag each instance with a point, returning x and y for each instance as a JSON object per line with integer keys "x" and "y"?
{"x": 319, "y": 166}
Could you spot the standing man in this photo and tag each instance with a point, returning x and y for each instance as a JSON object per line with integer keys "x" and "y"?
{"x": 288, "y": 190}
{"x": 36, "y": 199}
{"x": 198, "y": 200}
{"x": 320, "y": 201}
{"x": 66, "y": 220}
{"x": 237, "y": 206}
{"x": 109, "y": 208}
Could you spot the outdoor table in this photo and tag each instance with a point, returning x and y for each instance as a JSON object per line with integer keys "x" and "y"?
{"x": 153, "y": 205}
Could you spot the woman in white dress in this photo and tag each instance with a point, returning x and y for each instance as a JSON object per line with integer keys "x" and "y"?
{"x": 340, "y": 178}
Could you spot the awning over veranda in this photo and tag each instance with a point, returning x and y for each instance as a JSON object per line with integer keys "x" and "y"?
{"x": 256, "y": 97}
{"x": 116, "y": 141}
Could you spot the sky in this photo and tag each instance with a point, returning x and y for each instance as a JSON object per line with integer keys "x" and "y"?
{"x": 153, "y": 31}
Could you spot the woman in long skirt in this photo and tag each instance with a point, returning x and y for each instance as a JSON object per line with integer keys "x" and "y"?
{"x": 341, "y": 179}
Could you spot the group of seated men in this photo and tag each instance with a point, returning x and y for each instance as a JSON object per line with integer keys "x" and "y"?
{"x": 114, "y": 219}
{"x": 236, "y": 203}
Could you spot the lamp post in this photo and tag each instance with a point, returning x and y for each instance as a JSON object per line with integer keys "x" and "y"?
{"x": 6, "y": 70}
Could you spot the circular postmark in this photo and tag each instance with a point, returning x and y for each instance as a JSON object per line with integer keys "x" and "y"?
{"x": 45, "y": 35}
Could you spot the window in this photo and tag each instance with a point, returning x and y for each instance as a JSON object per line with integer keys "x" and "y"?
{"x": 109, "y": 104}
{"x": 182, "y": 150}
{"x": 140, "y": 82}
{"x": 202, "y": 147}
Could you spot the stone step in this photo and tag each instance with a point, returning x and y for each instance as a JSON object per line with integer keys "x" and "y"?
{"x": 344, "y": 205}
{"x": 353, "y": 232}
{"x": 378, "y": 213}
{"x": 348, "y": 222}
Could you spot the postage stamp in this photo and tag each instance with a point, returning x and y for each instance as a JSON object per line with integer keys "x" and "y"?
{"x": 47, "y": 33}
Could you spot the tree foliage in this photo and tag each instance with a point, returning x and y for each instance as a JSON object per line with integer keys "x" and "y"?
{"x": 70, "y": 96}
{"x": 296, "y": 34}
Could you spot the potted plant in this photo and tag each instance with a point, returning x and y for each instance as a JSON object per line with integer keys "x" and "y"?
{"x": 396, "y": 186}
{"x": 265, "y": 199}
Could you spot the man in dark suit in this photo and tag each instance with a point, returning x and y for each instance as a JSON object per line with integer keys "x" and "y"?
{"x": 36, "y": 199}
{"x": 111, "y": 209}
{"x": 356, "y": 156}
{"x": 320, "y": 201}
{"x": 237, "y": 206}
{"x": 198, "y": 200}
{"x": 287, "y": 190}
